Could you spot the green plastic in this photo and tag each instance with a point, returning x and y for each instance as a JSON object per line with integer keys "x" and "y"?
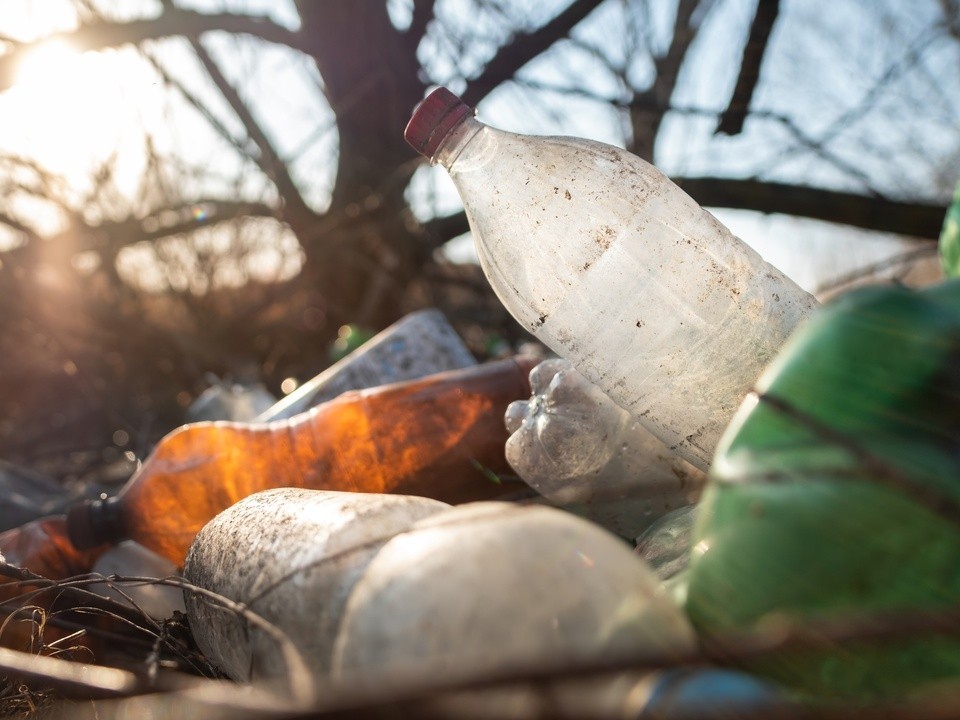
{"x": 816, "y": 503}
{"x": 950, "y": 238}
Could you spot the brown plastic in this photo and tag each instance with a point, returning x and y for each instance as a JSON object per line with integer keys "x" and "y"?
{"x": 433, "y": 119}
{"x": 436, "y": 437}
{"x": 43, "y": 548}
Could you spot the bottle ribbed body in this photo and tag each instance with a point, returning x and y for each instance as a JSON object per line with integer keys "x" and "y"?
{"x": 437, "y": 437}
{"x": 614, "y": 267}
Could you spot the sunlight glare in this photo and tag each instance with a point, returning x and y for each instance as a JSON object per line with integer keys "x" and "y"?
{"x": 47, "y": 64}
{"x": 71, "y": 111}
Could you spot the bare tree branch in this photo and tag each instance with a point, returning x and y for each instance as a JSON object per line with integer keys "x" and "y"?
{"x": 422, "y": 15}
{"x": 911, "y": 58}
{"x": 173, "y": 22}
{"x": 645, "y": 124}
{"x": 918, "y": 220}
{"x": 113, "y": 235}
{"x": 214, "y": 212}
{"x": 269, "y": 161}
{"x": 731, "y": 122}
{"x": 900, "y": 262}
{"x": 524, "y": 48}
{"x": 951, "y": 16}
{"x": 16, "y": 225}
{"x": 195, "y": 102}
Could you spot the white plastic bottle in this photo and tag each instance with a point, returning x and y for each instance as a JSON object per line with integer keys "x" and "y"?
{"x": 292, "y": 556}
{"x": 614, "y": 267}
{"x": 493, "y": 587}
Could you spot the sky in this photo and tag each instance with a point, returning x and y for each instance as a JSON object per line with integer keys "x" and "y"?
{"x": 73, "y": 113}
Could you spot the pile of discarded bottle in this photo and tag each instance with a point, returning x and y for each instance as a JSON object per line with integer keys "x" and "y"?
{"x": 716, "y": 461}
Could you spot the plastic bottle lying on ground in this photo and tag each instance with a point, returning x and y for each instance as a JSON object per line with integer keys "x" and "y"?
{"x": 581, "y": 450}
{"x": 419, "y": 344}
{"x": 380, "y": 589}
{"x": 28, "y": 495}
{"x": 292, "y": 556}
{"x": 231, "y": 401}
{"x": 493, "y": 587}
{"x": 42, "y": 547}
{"x": 440, "y": 437}
{"x": 614, "y": 267}
{"x": 835, "y": 495}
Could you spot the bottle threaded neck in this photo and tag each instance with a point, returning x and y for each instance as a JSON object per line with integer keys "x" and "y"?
{"x": 95, "y": 522}
{"x": 433, "y": 120}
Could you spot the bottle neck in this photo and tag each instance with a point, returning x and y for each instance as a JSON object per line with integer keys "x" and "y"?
{"x": 455, "y": 141}
{"x": 96, "y": 522}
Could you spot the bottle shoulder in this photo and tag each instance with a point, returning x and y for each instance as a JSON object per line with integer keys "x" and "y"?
{"x": 489, "y": 150}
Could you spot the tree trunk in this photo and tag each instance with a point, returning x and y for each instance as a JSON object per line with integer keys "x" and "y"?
{"x": 369, "y": 70}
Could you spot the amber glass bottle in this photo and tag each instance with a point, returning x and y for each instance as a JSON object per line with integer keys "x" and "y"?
{"x": 437, "y": 437}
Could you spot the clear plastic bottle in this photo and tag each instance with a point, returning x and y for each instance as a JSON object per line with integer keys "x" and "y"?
{"x": 614, "y": 267}
{"x": 581, "y": 450}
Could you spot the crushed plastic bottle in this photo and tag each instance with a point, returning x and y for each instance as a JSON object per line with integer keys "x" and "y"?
{"x": 419, "y": 344}
{"x": 441, "y": 437}
{"x": 581, "y": 450}
{"x": 487, "y": 586}
{"x": 834, "y": 493}
{"x": 614, "y": 267}
{"x": 292, "y": 556}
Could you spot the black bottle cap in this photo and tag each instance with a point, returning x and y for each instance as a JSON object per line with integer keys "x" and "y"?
{"x": 94, "y": 523}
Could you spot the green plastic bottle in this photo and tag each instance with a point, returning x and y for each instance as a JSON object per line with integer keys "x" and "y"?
{"x": 833, "y": 492}
{"x": 950, "y": 238}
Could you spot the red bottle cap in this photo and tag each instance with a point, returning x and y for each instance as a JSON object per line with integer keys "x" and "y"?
{"x": 433, "y": 119}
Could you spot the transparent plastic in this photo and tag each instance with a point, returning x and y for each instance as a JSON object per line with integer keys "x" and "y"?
{"x": 581, "y": 450}
{"x": 665, "y": 545}
{"x": 613, "y": 266}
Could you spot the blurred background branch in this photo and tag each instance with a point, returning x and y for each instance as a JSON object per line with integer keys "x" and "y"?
{"x": 200, "y": 187}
